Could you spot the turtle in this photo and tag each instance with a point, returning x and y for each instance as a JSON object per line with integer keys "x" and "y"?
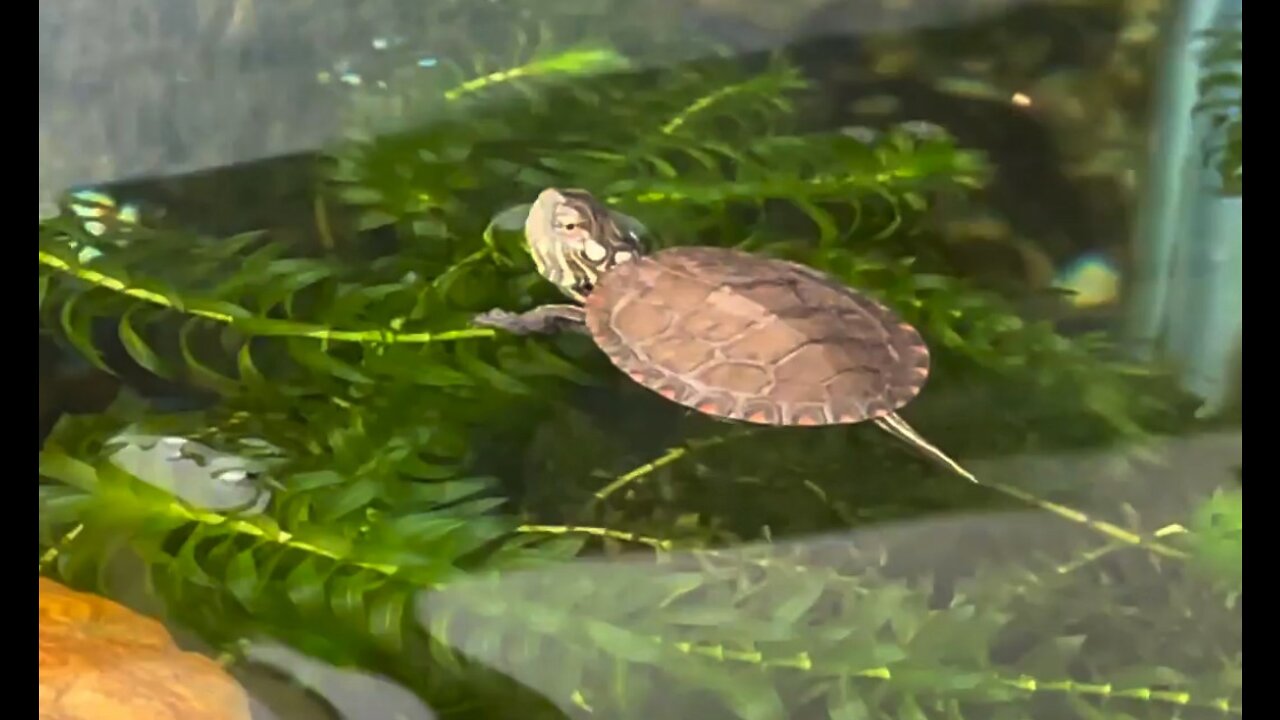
{"x": 731, "y": 334}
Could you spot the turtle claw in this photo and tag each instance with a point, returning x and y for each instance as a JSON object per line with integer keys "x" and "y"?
{"x": 538, "y": 321}
{"x": 499, "y": 319}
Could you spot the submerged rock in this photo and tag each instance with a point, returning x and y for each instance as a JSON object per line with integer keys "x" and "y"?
{"x": 101, "y": 660}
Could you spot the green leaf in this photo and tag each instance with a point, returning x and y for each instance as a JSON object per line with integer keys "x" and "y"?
{"x": 347, "y": 595}
{"x": 710, "y": 615}
{"x": 202, "y": 374}
{"x": 546, "y": 362}
{"x": 249, "y": 373}
{"x": 233, "y": 246}
{"x": 373, "y": 219}
{"x": 438, "y": 375}
{"x": 357, "y": 494}
{"x": 187, "y": 565}
{"x": 63, "y": 468}
{"x": 138, "y": 348}
{"x": 844, "y": 703}
{"x": 909, "y": 709}
{"x": 242, "y": 578}
{"x": 423, "y": 527}
{"x": 1053, "y": 657}
{"x": 77, "y": 329}
{"x": 305, "y": 585}
{"x": 416, "y": 468}
{"x": 313, "y": 480}
{"x": 472, "y": 364}
{"x": 1153, "y": 676}
{"x": 308, "y": 353}
{"x": 755, "y": 698}
{"x": 430, "y": 227}
{"x": 386, "y": 618}
{"x": 623, "y": 643}
{"x": 827, "y": 231}
{"x": 359, "y": 195}
{"x": 445, "y": 492}
{"x": 803, "y": 590}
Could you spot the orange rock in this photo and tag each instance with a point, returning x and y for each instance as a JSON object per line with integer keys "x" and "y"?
{"x": 100, "y": 660}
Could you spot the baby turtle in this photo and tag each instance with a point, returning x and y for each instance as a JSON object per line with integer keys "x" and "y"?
{"x": 727, "y": 333}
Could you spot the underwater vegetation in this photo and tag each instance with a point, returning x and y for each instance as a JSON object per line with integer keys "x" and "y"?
{"x": 508, "y": 528}
{"x": 1219, "y": 88}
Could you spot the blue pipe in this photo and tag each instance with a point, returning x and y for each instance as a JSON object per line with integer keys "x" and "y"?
{"x": 1186, "y": 301}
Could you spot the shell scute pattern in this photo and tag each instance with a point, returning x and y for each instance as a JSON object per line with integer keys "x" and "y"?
{"x": 755, "y": 339}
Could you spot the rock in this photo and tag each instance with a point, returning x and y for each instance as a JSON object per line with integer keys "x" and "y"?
{"x": 100, "y": 660}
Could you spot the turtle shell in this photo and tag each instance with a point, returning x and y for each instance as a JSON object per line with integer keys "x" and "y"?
{"x": 755, "y": 339}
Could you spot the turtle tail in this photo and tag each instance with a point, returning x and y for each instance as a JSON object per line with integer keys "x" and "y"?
{"x": 899, "y": 428}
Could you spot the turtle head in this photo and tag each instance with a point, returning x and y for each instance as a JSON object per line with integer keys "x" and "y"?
{"x": 574, "y": 239}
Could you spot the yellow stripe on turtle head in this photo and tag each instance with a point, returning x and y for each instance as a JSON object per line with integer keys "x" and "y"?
{"x": 573, "y": 238}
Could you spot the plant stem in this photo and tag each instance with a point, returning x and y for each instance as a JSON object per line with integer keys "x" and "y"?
{"x": 259, "y": 326}
{"x": 1111, "y": 530}
{"x": 658, "y": 543}
{"x": 666, "y": 458}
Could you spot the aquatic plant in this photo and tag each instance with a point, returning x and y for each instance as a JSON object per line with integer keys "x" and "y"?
{"x": 430, "y": 480}
{"x": 1221, "y": 103}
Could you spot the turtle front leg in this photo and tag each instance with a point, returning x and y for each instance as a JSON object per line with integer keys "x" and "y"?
{"x": 540, "y": 320}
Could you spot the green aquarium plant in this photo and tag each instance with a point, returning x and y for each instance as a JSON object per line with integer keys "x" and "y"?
{"x": 428, "y": 500}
